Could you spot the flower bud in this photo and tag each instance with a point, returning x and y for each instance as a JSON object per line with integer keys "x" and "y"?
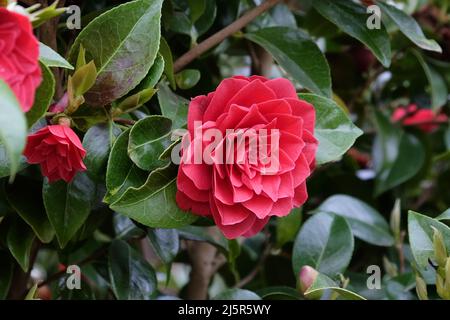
{"x": 440, "y": 251}
{"x": 307, "y": 276}
{"x": 395, "y": 221}
{"x": 421, "y": 288}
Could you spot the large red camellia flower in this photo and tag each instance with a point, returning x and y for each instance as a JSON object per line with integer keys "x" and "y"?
{"x": 425, "y": 119}
{"x": 58, "y": 150}
{"x": 241, "y": 197}
{"x": 19, "y": 57}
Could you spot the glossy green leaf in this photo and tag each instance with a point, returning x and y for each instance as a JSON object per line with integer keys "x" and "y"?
{"x": 166, "y": 243}
{"x": 25, "y": 197}
{"x": 32, "y": 293}
{"x": 20, "y": 240}
{"x": 166, "y": 53}
{"x": 323, "y": 283}
{"x": 196, "y": 233}
{"x": 68, "y": 205}
{"x": 13, "y": 128}
{"x": 153, "y": 76}
{"x": 6, "y": 274}
{"x": 438, "y": 87}
{"x": 298, "y": 55}
{"x": 397, "y": 156}
{"x": 149, "y": 138}
{"x": 237, "y": 294}
{"x": 43, "y": 98}
{"x": 352, "y": 18}
{"x": 172, "y": 106}
{"x": 51, "y": 58}
{"x": 279, "y": 293}
{"x": 409, "y": 27}
{"x": 420, "y": 231}
{"x": 196, "y": 9}
{"x": 206, "y": 20}
{"x": 153, "y": 204}
{"x": 132, "y": 278}
{"x": 325, "y": 242}
{"x": 367, "y": 224}
{"x": 97, "y": 142}
{"x": 123, "y": 48}
{"x": 288, "y": 226}
{"x": 334, "y": 129}
{"x": 121, "y": 172}
{"x": 187, "y": 78}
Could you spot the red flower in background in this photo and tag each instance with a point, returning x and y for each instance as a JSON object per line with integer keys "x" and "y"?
{"x": 58, "y": 150}
{"x": 425, "y": 119}
{"x": 241, "y": 197}
{"x": 19, "y": 57}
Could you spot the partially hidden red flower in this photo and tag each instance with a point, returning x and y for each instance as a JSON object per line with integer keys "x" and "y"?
{"x": 241, "y": 197}
{"x": 19, "y": 57}
{"x": 58, "y": 150}
{"x": 424, "y": 119}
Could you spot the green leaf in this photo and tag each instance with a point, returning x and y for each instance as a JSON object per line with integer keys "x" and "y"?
{"x": 237, "y": 294}
{"x": 43, "y": 98}
{"x": 334, "y": 129}
{"x": 438, "y": 87}
{"x": 196, "y": 233}
{"x": 187, "y": 78}
{"x": 153, "y": 76}
{"x": 325, "y": 242}
{"x": 298, "y": 55}
{"x": 153, "y": 204}
{"x": 172, "y": 106}
{"x": 323, "y": 283}
{"x": 420, "y": 231}
{"x": 279, "y": 293}
{"x": 121, "y": 172}
{"x": 149, "y": 138}
{"x": 288, "y": 226}
{"x": 444, "y": 216}
{"x": 196, "y": 9}
{"x": 166, "y": 53}
{"x": 6, "y": 274}
{"x": 32, "y": 293}
{"x": 13, "y": 127}
{"x": 367, "y": 224}
{"x": 352, "y": 19}
{"x": 132, "y": 278}
{"x": 51, "y": 58}
{"x": 83, "y": 79}
{"x": 68, "y": 205}
{"x": 97, "y": 142}
{"x": 397, "y": 156}
{"x": 409, "y": 27}
{"x": 20, "y": 240}
{"x": 166, "y": 243}
{"x": 123, "y": 42}
{"x": 25, "y": 197}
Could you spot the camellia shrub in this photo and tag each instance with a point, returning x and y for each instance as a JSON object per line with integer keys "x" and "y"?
{"x": 226, "y": 149}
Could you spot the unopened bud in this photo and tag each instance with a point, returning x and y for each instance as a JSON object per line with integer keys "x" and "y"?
{"x": 440, "y": 252}
{"x": 307, "y": 276}
{"x": 421, "y": 288}
{"x": 395, "y": 221}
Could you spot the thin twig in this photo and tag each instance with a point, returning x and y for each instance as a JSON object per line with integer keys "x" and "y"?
{"x": 218, "y": 37}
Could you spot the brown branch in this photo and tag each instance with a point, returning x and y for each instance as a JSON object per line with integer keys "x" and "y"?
{"x": 218, "y": 37}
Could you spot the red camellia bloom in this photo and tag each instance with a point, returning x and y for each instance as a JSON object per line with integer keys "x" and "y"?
{"x": 19, "y": 57}
{"x": 424, "y": 119}
{"x": 58, "y": 150}
{"x": 242, "y": 196}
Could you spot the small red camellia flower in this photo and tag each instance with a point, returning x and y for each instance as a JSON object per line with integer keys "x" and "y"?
{"x": 424, "y": 119}
{"x": 19, "y": 57}
{"x": 242, "y": 195}
{"x": 58, "y": 150}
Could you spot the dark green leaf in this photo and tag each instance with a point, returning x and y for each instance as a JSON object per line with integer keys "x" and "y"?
{"x": 325, "y": 242}
{"x": 298, "y": 55}
{"x": 43, "y": 98}
{"x": 366, "y": 223}
{"x": 323, "y": 283}
{"x": 334, "y": 129}
{"x": 6, "y": 274}
{"x": 287, "y": 227}
{"x": 196, "y": 9}
{"x": 237, "y": 294}
{"x": 123, "y": 42}
{"x": 149, "y": 138}
{"x": 20, "y": 240}
{"x": 166, "y": 243}
{"x": 187, "y": 78}
{"x": 279, "y": 293}
{"x": 352, "y": 18}
{"x": 195, "y": 233}
{"x": 68, "y": 205}
{"x": 172, "y": 106}
{"x": 166, "y": 53}
{"x": 155, "y": 73}
{"x": 153, "y": 204}
{"x": 132, "y": 278}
